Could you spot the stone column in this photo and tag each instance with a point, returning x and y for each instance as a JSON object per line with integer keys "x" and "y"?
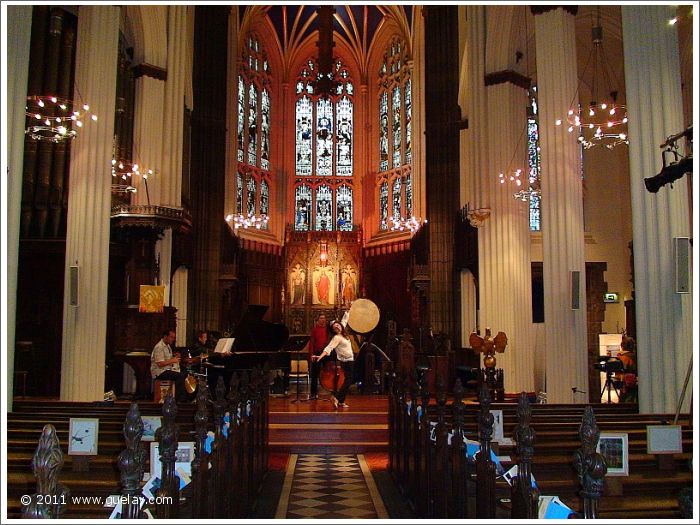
{"x": 442, "y": 166}
{"x": 208, "y": 160}
{"x": 87, "y": 236}
{"x": 418, "y": 117}
{"x": 562, "y": 207}
{"x": 472, "y": 99}
{"x": 174, "y": 107}
{"x": 19, "y": 25}
{"x": 179, "y": 301}
{"x": 361, "y": 151}
{"x": 164, "y": 250}
{"x": 148, "y": 136}
{"x": 655, "y": 110}
{"x": 505, "y": 289}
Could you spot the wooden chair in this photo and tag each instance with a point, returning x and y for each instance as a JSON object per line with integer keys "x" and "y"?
{"x": 299, "y": 370}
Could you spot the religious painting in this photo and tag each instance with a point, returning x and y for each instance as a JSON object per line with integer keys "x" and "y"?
{"x": 297, "y": 324}
{"x": 151, "y": 299}
{"x": 348, "y": 284}
{"x": 297, "y": 285}
{"x": 323, "y": 285}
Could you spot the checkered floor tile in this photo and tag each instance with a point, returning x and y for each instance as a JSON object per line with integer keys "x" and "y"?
{"x": 329, "y": 487}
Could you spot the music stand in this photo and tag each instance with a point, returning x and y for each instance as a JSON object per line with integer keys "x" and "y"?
{"x": 296, "y": 343}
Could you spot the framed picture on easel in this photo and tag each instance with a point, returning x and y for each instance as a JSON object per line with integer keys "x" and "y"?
{"x": 83, "y": 432}
{"x": 613, "y": 447}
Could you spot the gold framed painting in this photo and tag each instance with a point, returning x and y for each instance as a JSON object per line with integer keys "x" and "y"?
{"x": 151, "y": 299}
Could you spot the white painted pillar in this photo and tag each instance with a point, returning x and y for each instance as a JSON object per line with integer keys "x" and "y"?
{"x": 505, "y": 289}
{"x": 87, "y": 237}
{"x": 148, "y": 138}
{"x": 562, "y": 209}
{"x": 655, "y": 110}
{"x": 472, "y": 100}
{"x": 172, "y": 122}
{"x": 19, "y": 25}
{"x": 179, "y": 301}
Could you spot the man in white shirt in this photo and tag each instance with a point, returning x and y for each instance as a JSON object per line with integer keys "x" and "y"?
{"x": 165, "y": 365}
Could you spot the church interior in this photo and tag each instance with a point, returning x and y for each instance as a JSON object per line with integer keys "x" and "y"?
{"x": 496, "y": 200}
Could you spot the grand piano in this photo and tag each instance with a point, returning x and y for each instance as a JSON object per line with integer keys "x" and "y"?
{"x": 256, "y": 342}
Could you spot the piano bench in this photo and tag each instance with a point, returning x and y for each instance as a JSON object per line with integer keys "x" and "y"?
{"x": 161, "y": 387}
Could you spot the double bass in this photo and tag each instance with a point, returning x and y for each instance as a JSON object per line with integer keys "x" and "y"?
{"x": 332, "y": 375}
{"x": 363, "y": 317}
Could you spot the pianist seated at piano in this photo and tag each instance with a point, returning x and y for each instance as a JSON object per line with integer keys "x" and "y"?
{"x": 198, "y": 351}
{"x": 166, "y": 365}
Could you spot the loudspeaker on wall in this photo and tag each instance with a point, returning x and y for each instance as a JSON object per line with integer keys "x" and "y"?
{"x": 575, "y": 290}
{"x": 73, "y": 284}
{"x": 681, "y": 263}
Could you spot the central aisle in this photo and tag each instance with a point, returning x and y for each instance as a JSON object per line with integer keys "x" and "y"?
{"x": 325, "y": 486}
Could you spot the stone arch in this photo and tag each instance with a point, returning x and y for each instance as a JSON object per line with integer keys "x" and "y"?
{"x": 146, "y": 27}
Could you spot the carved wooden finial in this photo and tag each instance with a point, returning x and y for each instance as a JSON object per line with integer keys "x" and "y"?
{"x": 590, "y": 464}
{"x": 485, "y": 415}
{"x": 46, "y": 465}
{"x": 132, "y": 462}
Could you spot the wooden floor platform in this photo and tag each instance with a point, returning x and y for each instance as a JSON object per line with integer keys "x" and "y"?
{"x": 315, "y": 426}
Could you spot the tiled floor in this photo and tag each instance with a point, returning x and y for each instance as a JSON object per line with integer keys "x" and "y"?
{"x": 322, "y": 486}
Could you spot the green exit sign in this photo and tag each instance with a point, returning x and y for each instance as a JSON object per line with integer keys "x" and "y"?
{"x": 611, "y": 297}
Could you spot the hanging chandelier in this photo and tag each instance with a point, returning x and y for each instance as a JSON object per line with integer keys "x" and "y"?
{"x": 325, "y": 84}
{"x": 55, "y": 119}
{"x": 603, "y": 121}
{"x": 124, "y": 171}
{"x": 247, "y": 221}
{"x": 411, "y": 224}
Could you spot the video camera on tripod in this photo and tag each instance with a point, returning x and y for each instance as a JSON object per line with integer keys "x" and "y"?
{"x": 610, "y": 365}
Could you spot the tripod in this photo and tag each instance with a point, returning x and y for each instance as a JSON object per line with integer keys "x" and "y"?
{"x": 609, "y": 386}
{"x": 298, "y": 399}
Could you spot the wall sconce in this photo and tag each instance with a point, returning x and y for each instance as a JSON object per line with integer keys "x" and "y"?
{"x": 324, "y": 252}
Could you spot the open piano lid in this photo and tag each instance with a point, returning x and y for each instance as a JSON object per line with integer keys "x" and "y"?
{"x": 252, "y": 334}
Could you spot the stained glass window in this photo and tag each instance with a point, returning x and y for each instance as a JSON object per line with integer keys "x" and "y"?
{"x": 383, "y": 205}
{"x": 396, "y": 199}
{"x": 396, "y": 125}
{"x": 254, "y": 129}
{"x": 344, "y": 138}
{"x": 409, "y": 196}
{"x": 241, "y": 117}
{"x": 395, "y": 133}
{"x": 343, "y": 207}
{"x": 407, "y": 110}
{"x": 250, "y": 201}
{"x": 533, "y": 160}
{"x": 324, "y": 213}
{"x": 264, "y": 200}
{"x": 304, "y": 130}
{"x": 324, "y": 137}
{"x": 324, "y": 148}
{"x": 302, "y": 208}
{"x": 265, "y": 131}
{"x": 239, "y": 193}
{"x": 383, "y": 132}
{"x": 252, "y": 125}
